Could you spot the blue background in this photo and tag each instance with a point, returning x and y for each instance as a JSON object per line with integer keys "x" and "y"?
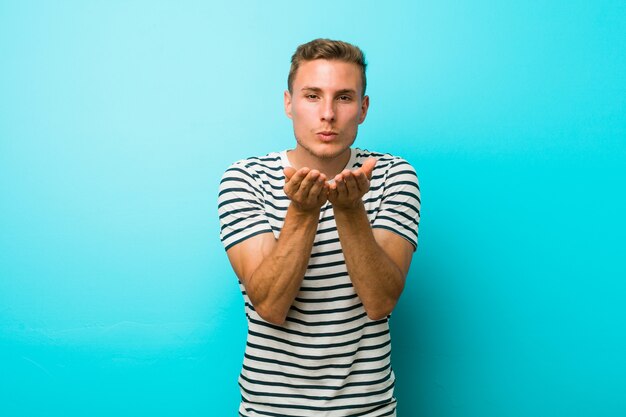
{"x": 118, "y": 118}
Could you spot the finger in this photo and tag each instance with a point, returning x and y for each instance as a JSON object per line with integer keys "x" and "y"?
{"x": 289, "y": 171}
{"x": 340, "y": 187}
{"x": 307, "y": 183}
{"x": 362, "y": 181}
{"x": 323, "y": 195}
{"x": 332, "y": 192}
{"x": 341, "y": 177}
{"x": 332, "y": 184}
{"x": 300, "y": 175}
{"x": 368, "y": 167}
{"x": 317, "y": 187}
{"x": 326, "y": 187}
{"x": 294, "y": 182}
{"x": 352, "y": 187}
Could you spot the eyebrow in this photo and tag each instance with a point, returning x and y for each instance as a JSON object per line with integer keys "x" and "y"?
{"x": 319, "y": 90}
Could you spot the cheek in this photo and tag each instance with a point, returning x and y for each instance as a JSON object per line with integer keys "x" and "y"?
{"x": 296, "y": 113}
{"x": 354, "y": 117}
{"x": 304, "y": 114}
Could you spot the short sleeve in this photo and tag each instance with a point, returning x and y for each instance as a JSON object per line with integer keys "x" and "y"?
{"x": 400, "y": 207}
{"x": 241, "y": 206}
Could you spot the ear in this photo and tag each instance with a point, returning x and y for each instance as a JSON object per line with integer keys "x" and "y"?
{"x": 287, "y": 100}
{"x": 365, "y": 104}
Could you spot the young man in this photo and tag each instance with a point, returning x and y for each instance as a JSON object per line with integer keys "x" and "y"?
{"x": 321, "y": 238}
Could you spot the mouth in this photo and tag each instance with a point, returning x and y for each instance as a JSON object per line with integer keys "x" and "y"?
{"x": 326, "y": 135}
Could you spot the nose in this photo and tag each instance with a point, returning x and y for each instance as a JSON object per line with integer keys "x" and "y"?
{"x": 328, "y": 111}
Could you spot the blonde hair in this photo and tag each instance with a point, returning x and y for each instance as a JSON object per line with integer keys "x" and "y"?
{"x": 327, "y": 49}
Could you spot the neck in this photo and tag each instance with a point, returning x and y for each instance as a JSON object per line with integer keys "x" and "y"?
{"x": 300, "y": 158}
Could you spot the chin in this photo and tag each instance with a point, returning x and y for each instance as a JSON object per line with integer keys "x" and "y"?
{"x": 329, "y": 150}
{"x": 325, "y": 151}
{"x": 330, "y": 153}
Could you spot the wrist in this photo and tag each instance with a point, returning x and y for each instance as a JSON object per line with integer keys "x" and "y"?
{"x": 349, "y": 210}
{"x": 304, "y": 212}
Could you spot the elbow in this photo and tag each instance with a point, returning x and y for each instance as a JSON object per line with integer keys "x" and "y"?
{"x": 376, "y": 315}
{"x": 271, "y": 315}
{"x": 381, "y": 308}
{"x": 274, "y": 319}
{"x": 380, "y": 311}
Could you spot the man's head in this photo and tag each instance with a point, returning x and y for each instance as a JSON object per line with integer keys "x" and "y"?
{"x": 330, "y": 50}
{"x": 326, "y": 100}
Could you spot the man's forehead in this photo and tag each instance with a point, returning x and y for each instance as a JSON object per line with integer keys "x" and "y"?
{"x": 324, "y": 74}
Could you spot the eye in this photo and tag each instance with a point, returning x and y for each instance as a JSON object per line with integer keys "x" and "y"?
{"x": 344, "y": 98}
{"x": 311, "y": 96}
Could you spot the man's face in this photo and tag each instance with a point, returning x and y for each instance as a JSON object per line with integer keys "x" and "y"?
{"x": 326, "y": 106}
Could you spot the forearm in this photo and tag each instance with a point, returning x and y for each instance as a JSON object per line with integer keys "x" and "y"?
{"x": 274, "y": 285}
{"x": 376, "y": 278}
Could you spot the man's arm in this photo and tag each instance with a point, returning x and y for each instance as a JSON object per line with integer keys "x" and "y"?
{"x": 377, "y": 260}
{"x": 272, "y": 270}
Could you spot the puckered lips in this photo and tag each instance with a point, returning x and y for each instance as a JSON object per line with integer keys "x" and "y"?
{"x": 326, "y": 135}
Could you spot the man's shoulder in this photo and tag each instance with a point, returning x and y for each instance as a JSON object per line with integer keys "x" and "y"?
{"x": 270, "y": 159}
{"x": 385, "y": 161}
{"x": 270, "y": 164}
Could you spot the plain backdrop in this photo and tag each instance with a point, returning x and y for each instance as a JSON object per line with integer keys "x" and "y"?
{"x": 118, "y": 118}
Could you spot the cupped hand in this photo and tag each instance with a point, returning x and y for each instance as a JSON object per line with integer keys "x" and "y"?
{"x": 349, "y": 187}
{"x": 306, "y": 188}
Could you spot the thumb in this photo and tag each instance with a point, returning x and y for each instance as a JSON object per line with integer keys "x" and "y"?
{"x": 288, "y": 171}
{"x": 368, "y": 167}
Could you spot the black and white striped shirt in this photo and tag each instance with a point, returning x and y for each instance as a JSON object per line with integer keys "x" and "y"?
{"x": 328, "y": 358}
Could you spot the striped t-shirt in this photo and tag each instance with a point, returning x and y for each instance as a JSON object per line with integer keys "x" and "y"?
{"x": 328, "y": 358}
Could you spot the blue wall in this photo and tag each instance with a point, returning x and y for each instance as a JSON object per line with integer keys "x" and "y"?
{"x": 118, "y": 118}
